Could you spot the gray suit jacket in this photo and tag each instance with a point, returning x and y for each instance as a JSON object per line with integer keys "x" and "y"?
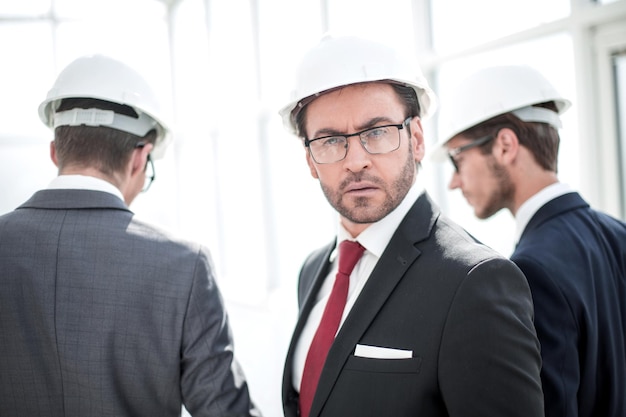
{"x": 102, "y": 315}
{"x": 464, "y": 311}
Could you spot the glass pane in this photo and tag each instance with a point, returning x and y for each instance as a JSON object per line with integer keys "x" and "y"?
{"x": 281, "y": 42}
{"x": 25, "y": 167}
{"x": 459, "y": 24}
{"x": 392, "y": 23}
{"x": 554, "y": 57}
{"x": 232, "y": 73}
{"x": 111, "y": 10}
{"x": 620, "y": 99}
{"x": 27, "y": 74}
{"x": 24, "y": 8}
{"x": 217, "y": 98}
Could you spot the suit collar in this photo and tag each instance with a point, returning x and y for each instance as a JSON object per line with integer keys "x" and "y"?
{"x": 555, "y": 207}
{"x": 62, "y": 199}
{"x": 528, "y": 209}
{"x": 84, "y": 182}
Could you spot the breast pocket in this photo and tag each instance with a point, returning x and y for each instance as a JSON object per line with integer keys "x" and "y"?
{"x": 393, "y": 366}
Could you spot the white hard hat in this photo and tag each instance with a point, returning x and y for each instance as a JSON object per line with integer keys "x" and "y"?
{"x": 344, "y": 60}
{"x": 494, "y": 91}
{"x": 104, "y": 78}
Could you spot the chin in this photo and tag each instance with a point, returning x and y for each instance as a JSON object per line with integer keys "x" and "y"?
{"x": 480, "y": 215}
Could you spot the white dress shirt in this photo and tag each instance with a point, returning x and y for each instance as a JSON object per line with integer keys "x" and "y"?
{"x": 84, "y": 182}
{"x": 374, "y": 239}
{"x": 528, "y": 209}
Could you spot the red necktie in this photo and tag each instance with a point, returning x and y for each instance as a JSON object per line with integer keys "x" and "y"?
{"x": 349, "y": 254}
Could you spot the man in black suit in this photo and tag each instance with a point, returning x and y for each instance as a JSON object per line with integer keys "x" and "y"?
{"x": 435, "y": 323}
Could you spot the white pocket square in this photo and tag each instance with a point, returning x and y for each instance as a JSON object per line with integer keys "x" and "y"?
{"x": 376, "y": 352}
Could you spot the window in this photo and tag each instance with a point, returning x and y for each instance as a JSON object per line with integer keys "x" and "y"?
{"x": 608, "y": 149}
{"x": 459, "y": 25}
{"x": 620, "y": 92}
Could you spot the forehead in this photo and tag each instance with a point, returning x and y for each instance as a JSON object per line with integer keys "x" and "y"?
{"x": 355, "y": 102}
{"x": 457, "y": 141}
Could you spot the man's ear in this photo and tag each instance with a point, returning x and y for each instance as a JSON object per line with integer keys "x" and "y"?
{"x": 53, "y": 154}
{"x": 139, "y": 159}
{"x": 417, "y": 138}
{"x": 506, "y": 146}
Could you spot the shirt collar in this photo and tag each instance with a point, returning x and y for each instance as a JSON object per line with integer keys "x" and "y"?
{"x": 377, "y": 235}
{"x": 528, "y": 209}
{"x": 84, "y": 182}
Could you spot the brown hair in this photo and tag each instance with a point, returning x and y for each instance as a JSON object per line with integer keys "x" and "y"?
{"x": 406, "y": 94}
{"x": 104, "y": 148}
{"x": 541, "y": 139}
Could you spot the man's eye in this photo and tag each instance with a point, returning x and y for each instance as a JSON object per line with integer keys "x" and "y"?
{"x": 333, "y": 141}
{"x": 376, "y": 133}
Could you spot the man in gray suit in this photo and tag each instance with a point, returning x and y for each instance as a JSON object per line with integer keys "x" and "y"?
{"x": 101, "y": 314}
{"x": 434, "y": 323}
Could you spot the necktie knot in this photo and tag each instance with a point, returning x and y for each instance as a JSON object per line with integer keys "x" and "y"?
{"x": 349, "y": 254}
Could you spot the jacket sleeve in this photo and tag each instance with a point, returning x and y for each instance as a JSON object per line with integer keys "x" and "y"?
{"x": 489, "y": 358}
{"x": 558, "y": 331}
{"x": 212, "y": 382}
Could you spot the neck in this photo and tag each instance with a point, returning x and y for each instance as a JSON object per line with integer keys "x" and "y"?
{"x": 89, "y": 172}
{"x": 119, "y": 181}
{"x": 532, "y": 185}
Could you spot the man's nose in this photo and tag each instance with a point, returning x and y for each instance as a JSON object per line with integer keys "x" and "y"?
{"x": 357, "y": 157}
{"x": 455, "y": 181}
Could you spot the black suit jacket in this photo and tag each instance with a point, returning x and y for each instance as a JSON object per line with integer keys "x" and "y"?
{"x": 575, "y": 261}
{"x": 463, "y": 310}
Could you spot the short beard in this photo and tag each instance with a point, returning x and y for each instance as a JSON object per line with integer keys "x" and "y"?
{"x": 360, "y": 213}
{"x": 502, "y": 196}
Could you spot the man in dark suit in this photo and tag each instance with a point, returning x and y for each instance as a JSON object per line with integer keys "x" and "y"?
{"x": 100, "y": 313}
{"x": 504, "y": 147}
{"x": 434, "y": 323}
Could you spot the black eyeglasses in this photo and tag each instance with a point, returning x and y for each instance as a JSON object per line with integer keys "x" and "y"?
{"x": 453, "y": 153}
{"x": 149, "y": 170}
{"x": 150, "y": 174}
{"x": 375, "y": 140}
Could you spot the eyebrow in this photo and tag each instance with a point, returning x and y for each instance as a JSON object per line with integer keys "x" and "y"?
{"x": 363, "y": 126}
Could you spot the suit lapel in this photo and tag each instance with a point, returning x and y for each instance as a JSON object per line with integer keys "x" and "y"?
{"x": 312, "y": 277}
{"x": 314, "y": 273}
{"x": 390, "y": 269}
